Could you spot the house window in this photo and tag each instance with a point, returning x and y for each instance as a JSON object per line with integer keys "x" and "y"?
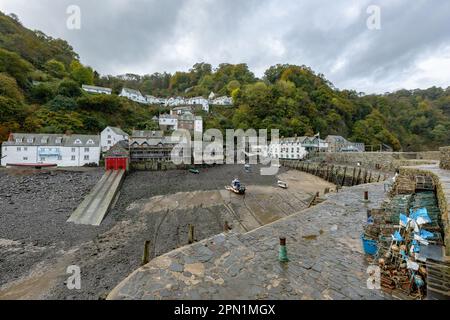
{"x": 86, "y": 149}
{"x": 30, "y": 140}
{"x": 59, "y": 157}
{"x": 25, "y": 148}
{"x": 19, "y": 140}
{"x": 58, "y": 140}
{"x": 90, "y": 141}
{"x": 78, "y": 141}
{"x": 109, "y": 137}
{"x": 73, "y": 158}
{"x": 86, "y": 157}
{"x": 25, "y": 158}
{"x": 19, "y": 149}
{"x": 109, "y": 141}
{"x": 73, "y": 149}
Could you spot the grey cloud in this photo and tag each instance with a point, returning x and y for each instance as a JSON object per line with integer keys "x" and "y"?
{"x": 331, "y": 37}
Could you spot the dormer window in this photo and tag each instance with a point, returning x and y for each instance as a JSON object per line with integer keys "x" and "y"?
{"x": 58, "y": 140}
{"x": 19, "y": 140}
{"x": 30, "y": 140}
{"x": 44, "y": 140}
{"x": 78, "y": 141}
{"x": 90, "y": 141}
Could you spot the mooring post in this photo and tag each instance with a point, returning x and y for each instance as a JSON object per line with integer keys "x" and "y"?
{"x": 326, "y": 191}
{"x": 370, "y": 177}
{"x": 379, "y": 177}
{"x": 366, "y": 195}
{"x": 145, "y": 256}
{"x": 282, "y": 254}
{"x": 226, "y": 227}
{"x": 353, "y": 176}
{"x": 343, "y": 178}
{"x": 191, "y": 234}
{"x": 359, "y": 175}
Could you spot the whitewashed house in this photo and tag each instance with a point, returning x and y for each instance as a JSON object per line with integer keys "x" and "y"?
{"x": 95, "y": 89}
{"x": 154, "y": 100}
{"x": 223, "y": 101}
{"x": 60, "y": 149}
{"x": 288, "y": 148}
{"x": 175, "y": 101}
{"x": 168, "y": 122}
{"x": 199, "y": 101}
{"x": 133, "y": 95}
{"x": 110, "y": 136}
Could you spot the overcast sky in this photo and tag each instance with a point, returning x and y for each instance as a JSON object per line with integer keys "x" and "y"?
{"x": 410, "y": 50}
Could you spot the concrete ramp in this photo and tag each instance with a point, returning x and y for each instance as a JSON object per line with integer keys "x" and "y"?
{"x": 97, "y": 203}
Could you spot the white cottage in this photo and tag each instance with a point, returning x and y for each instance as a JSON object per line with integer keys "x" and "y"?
{"x": 223, "y": 101}
{"x": 60, "y": 149}
{"x": 110, "y": 136}
{"x": 154, "y": 100}
{"x": 133, "y": 95}
{"x": 97, "y": 90}
{"x": 288, "y": 148}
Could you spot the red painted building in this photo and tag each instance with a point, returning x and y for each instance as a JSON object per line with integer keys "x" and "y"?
{"x": 118, "y": 157}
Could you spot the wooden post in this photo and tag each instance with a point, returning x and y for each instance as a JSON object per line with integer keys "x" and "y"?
{"x": 370, "y": 177}
{"x": 365, "y": 177}
{"x": 330, "y": 176}
{"x": 145, "y": 256}
{"x": 359, "y": 175}
{"x": 226, "y": 227}
{"x": 343, "y": 178}
{"x": 191, "y": 234}
{"x": 353, "y": 176}
{"x": 379, "y": 177}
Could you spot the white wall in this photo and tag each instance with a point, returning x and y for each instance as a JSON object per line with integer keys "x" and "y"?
{"x": 70, "y": 156}
{"x": 109, "y": 138}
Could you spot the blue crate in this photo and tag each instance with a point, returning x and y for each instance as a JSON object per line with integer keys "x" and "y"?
{"x": 370, "y": 246}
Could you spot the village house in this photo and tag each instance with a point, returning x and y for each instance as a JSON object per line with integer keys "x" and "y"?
{"x": 95, "y": 89}
{"x": 168, "y": 122}
{"x": 58, "y": 149}
{"x": 288, "y": 148}
{"x": 110, "y": 136}
{"x": 175, "y": 101}
{"x": 199, "y": 101}
{"x": 133, "y": 95}
{"x": 154, "y": 100}
{"x": 222, "y": 101}
{"x": 151, "y": 145}
{"x": 296, "y": 147}
{"x": 340, "y": 144}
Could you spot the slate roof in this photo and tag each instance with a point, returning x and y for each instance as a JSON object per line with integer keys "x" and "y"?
{"x": 118, "y": 131}
{"x": 54, "y": 140}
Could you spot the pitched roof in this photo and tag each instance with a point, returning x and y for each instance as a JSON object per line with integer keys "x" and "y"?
{"x": 53, "y": 140}
{"x": 85, "y": 86}
{"x": 147, "y": 134}
{"x": 132, "y": 91}
{"x": 118, "y": 131}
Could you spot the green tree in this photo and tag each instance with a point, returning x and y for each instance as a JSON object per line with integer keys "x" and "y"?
{"x": 55, "y": 68}
{"x": 69, "y": 88}
{"x": 10, "y": 89}
{"x": 81, "y": 74}
{"x": 15, "y": 66}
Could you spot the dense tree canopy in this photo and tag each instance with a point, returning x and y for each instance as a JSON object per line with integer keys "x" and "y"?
{"x": 40, "y": 91}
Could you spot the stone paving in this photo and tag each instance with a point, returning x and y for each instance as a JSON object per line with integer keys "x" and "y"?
{"x": 324, "y": 248}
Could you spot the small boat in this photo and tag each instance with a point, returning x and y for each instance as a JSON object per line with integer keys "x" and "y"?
{"x": 240, "y": 190}
{"x": 194, "y": 171}
{"x": 282, "y": 184}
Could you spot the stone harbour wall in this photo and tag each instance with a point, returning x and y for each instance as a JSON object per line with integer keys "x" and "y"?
{"x": 385, "y": 161}
{"x": 442, "y": 196}
{"x": 445, "y": 158}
